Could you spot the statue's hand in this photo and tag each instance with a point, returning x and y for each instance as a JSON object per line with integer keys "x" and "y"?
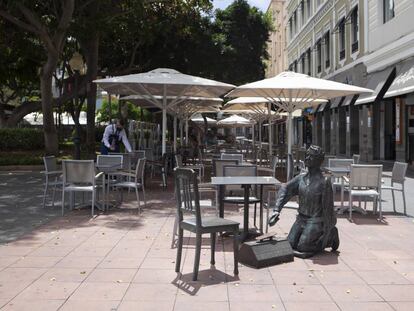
{"x": 274, "y": 218}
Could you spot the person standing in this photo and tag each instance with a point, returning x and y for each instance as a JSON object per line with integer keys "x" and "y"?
{"x": 112, "y": 137}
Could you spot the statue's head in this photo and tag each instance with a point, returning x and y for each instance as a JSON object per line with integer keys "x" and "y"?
{"x": 314, "y": 156}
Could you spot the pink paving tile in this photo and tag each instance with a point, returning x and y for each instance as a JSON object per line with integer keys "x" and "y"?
{"x": 79, "y": 262}
{"x": 201, "y": 306}
{"x": 190, "y": 292}
{"x": 20, "y": 274}
{"x": 339, "y": 277}
{"x": 303, "y": 293}
{"x": 383, "y": 278}
{"x": 121, "y": 263}
{"x": 111, "y": 275}
{"x": 365, "y": 306}
{"x": 76, "y": 275}
{"x": 367, "y": 264}
{"x": 48, "y": 290}
{"x": 391, "y": 254}
{"x": 90, "y": 305}
{"x": 297, "y": 264}
{"x": 51, "y": 251}
{"x": 151, "y": 292}
{"x": 257, "y": 306}
{"x": 298, "y": 277}
{"x": 401, "y": 265}
{"x": 255, "y": 276}
{"x": 395, "y": 292}
{"x": 335, "y": 263}
{"x": 13, "y": 250}
{"x": 311, "y": 306}
{"x": 7, "y": 261}
{"x": 36, "y": 262}
{"x": 159, "y": 263}
{"x": 154, "y": 276}
{"x": 352, "y": 293}
{"x": 259, "y": 293}
{"x": 100, "y": 291}
{"x": 10, "y": 289}
{"x": 33, "y": 305}
{"x": 146, "y": 306}
{"x": 91, "y": 251}
{"x": 403, "y": 306}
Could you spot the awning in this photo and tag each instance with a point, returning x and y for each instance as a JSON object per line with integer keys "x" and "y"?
{"x": 336, "y": 102}
{"x": 379, "y": 82}
{"x": 322, "y": 107}
{"x": 349, "y": 100}
{"x": 404, "y": 82}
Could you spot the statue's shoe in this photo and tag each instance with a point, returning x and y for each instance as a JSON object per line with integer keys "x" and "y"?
{"x": 334, "y": 239}
{"x": 303, "y": 255}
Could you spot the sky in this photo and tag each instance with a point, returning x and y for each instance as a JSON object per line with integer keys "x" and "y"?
{"x": 261, "y": 4}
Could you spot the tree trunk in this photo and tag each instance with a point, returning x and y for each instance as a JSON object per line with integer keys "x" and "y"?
{"x": 91, "y": 50}
{"x": 49, "y": 129}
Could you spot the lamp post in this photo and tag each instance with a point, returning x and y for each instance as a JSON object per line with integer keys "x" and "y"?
{"x": 77, "y": 64}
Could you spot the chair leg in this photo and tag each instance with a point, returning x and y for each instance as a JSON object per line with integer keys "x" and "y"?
{"x": 236, "y": 252}
{"x": 403, "y": 195}
{"x": 54, "y": 192}
{"x": 254, "y": 214}
{"x": 45, "y": 192}
{"x": 63, "y": 201}
{"x": 93, "y": 202}
{"x": 350, "y": 206}
{"x": 179, "y": 250}
{"x": 213, "y": 248}
{"x": 380, "y": 207}
{"x": 174, "y": 233}
{"x": 137, "y": 194}
{"x": 267, "y": 219}
{"x": 197, "y": 256}
{"x": 393, "y": 199}
{"x": 143, "y": 193}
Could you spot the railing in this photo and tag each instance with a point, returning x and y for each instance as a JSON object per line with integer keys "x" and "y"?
{"x": 354, "y": 46}
{"x": 342, "y": 54}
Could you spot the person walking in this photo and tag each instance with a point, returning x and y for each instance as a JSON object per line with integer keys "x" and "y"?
{"x": 112, "y": 137}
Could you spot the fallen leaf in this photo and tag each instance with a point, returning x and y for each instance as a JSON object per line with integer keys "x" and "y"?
{"x": 310, "y": 275}
{"x": 83, "y": 272}
{"x": 300, "y": 291}
{"x": 273, "y": 306}
{"x": 53, "y": 279}
{"x": 294, "y": 283}
{"x": 251, "y": 280}
{"x": 119, "y": 281}
{"x": 348, "y": 291}
{"x": 395, "y": 262}
{"x": 237, "y": 284}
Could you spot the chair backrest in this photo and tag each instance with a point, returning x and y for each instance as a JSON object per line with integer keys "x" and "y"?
{"x": 398, "y": 172}
{"x": 178, "y": 160}
{"x": 50, "y": 163}
{"x": 218, "y": 165}
{"x": 232, "y": 156}
{"x": 110, "y": 161}
{"x": 140, "y": 170}
{"x": 356, "y": 158}
{"x": 237, "y": 170}
{"x": 187, "y": 194}
{"x": 367, "y": 176}
{"x": 135, "y": 155}
{"x": 340, "y": 162}
{"x": 326, "y": 160}
{"x": 126, "y": 160}
{"x": 78, "y": 172}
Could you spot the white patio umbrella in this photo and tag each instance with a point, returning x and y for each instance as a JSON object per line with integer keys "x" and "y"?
{"x": 198, "y": 118}
{"x": 164, "y": 82}
{"x": 235, "y": 121}
{"x": 291, "y": 91}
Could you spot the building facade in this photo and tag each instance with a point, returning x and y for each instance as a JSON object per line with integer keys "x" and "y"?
{"x": 369, "y": 43}
{"x": 276, "y": 46}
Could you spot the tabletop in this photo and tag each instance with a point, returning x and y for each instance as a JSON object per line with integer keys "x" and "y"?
{"x": 244, "y": 180}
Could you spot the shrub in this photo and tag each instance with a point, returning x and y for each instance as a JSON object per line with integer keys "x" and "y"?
{"x": 21, "y": 139}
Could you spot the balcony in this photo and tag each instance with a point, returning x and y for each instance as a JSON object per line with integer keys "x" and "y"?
{"x": 354, "y": 47}
{"x": 342, "y": 54}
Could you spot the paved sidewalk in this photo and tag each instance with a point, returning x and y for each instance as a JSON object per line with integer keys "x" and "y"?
{"x": 123, "y": 261}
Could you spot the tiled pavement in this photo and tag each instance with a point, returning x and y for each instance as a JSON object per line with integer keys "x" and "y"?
{"x": 123, "y": 261}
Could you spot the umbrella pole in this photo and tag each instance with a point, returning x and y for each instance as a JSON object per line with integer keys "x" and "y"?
{"x": 175, "y": 134}
{"x": 186, "y": 131}
{"x": 253, "y": 138}
{"x": 270, "y": 130}
{"x": 164, "y": 120}
{"x": 289, "y": 141}
{"x": 181, "y": 132}
{"x": 260, "y": 134}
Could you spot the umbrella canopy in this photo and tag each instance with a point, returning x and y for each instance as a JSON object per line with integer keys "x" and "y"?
{"x": 291, "y": 91}
{"x": 235, "y": 121}
{"x": 164, "y": 82}
{"x": 198, "y": 118}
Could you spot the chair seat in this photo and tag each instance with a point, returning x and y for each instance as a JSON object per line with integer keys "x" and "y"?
{"x": 209, "y": 222}
{"x": 388, "y": 187}
{"x": 368, "y": 192}
{"x": 127, "y": 184}
{"x": 79, "y": 188}
{"x": 240, "y": 200}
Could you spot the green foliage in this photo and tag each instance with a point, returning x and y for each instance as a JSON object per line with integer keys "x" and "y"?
{"x": 133, "y": 112}
{"x": 21, "y": 139}
{"x": 20, "y": 159}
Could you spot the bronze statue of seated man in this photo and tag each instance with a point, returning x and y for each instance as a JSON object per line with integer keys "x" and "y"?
{"x": 314, "y": 228}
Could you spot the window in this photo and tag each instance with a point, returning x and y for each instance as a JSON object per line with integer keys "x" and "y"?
{"x": 295, "y": 66}
{"x": 302, "y": 12}
{"x": 389, "y": 13}
{"x": 319, "y": 55}
{"x": 309, "y": 9}
{"x": 327, "y": 39}
{"x": 290, "y": 28}
{"x": 302, "y": 63}
{"x": 309, "y": 62}
{"x": 354, "y": 29}
{"x": 294, "y": 21}
{"x": 341, "y": 42}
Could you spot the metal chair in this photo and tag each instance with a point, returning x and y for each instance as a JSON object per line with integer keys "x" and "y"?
{"x": 198, "y": 167}
{"x": 337, "y": 182}
{"x": 356, "y": 158}
{"x": 365, "y": 181}
{"x": 135, "y": 181}
{"x": 232, "y": 156}
{"x": 80, "y": 176}
{"x": 272, "y": 169}
{"x": 397, "y": 177}
{"x": 52, "y": 178}
{"x": 162, "y": 166}
{"x": 188, "y": 201}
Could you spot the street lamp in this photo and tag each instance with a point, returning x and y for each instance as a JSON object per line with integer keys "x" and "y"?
{"x": 77, "y": 64}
